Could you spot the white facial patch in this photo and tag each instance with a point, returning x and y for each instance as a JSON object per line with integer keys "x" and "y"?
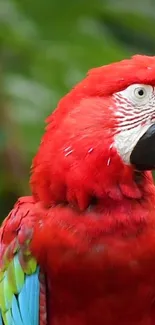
{"x": 125, "y": 141}
{"x": 135, "y": 113}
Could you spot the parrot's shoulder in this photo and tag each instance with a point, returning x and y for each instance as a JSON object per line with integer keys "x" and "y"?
{"x": 21, "y": 280}
{"x": 21, "y": 216}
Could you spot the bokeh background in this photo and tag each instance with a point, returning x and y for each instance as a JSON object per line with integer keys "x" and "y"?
{"x": 45, "y": 48}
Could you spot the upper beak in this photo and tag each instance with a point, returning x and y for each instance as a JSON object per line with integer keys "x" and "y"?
{"x": 143, "y": 154}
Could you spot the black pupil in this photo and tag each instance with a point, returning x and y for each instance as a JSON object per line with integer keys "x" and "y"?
{"x": 141, "y": 92}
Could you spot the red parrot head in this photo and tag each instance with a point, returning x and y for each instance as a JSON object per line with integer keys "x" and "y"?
{"x": 101, "y": 133}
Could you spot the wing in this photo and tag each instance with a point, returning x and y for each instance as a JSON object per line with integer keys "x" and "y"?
{"x": 22, "y": 285}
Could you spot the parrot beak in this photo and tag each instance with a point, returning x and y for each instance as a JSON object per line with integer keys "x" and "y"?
{"x": 143, "y": 154}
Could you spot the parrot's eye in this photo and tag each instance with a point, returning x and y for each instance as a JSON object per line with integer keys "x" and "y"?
{"x": 137, "y": 93}
{"x": 140, "y": 92}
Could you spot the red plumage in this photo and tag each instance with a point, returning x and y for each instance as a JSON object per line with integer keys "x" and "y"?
{"x": 93, "y": 218}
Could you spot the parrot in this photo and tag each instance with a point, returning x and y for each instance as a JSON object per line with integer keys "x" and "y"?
{"x": 80, "y": 250}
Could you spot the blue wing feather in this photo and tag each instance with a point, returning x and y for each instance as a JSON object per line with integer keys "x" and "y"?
{"x": 28, "y": 300}
{"x": 16, "y": 312}
{"x": 23, "y": 300}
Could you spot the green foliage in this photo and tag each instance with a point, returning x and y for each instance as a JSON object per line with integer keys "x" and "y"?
{"x": 45, "y": 48}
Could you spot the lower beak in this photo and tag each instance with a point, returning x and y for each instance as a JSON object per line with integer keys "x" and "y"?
{"x": 143, "y": 154}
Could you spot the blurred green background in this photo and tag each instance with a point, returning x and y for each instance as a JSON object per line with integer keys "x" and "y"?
{"x": 45, "y": 48}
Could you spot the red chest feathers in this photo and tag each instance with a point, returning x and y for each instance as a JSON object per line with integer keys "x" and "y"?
{"x": 91, "y": 292}
{"x": 99, "y": 278}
